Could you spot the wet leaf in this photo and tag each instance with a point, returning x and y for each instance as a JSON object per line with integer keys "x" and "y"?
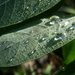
{"x": 30, "y": 43}
{"x": 16, "y": 11}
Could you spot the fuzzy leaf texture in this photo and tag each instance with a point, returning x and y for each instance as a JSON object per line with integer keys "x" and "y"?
{"x": 30, "y": 43}
{"x": 16, "y": 11}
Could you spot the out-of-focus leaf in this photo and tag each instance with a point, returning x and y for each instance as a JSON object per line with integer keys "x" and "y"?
{"x": 16, "y": 11}
{"x": 48, "y": 69}
{"x": 68, "y": 70}
{"x": 69, "y": 52}
{"x": 68, "y": 10}
{"x": 30, "y": 43}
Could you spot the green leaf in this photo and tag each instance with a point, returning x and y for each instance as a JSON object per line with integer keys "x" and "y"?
{"x": 68, "y": 70}
{"x": 16, "y": 11}
{"x": 69, "y": 52}
{"x": 30, "y": 43}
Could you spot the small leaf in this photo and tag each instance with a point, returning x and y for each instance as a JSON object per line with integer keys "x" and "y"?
{"x": 30, "y": 43}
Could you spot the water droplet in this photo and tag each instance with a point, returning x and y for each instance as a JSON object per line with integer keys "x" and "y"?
{"x": 52, "y": 23}
{"x": 27, "y": 7}
{"x": 31, "y": 53}
{"x": 66, "y": 23}
{"x": 43, "y": 38}
{"x": 26, "y": 41}
{"x": 60, "y": 36}
{"x": 73, "y": 26}
{"x": 54, "y": 20}
{"x": 11, "y": 60}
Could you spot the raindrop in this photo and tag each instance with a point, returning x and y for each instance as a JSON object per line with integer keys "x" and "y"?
{"x": 54, "y": 20}
{"x": 11, "y": 60}
{"x": 43, "y": 38}
{"x": 73, "y": 26}
{"x": 66, "y": 23}
{"x": 60, "y": 36}
{"x": 27, "y": 7}
{"x": 27, "y": 41}
{"x": 31, "y": 53}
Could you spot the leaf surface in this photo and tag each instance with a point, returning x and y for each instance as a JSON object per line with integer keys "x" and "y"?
{"x": 30, "y": 43}
{"x": 16, "y": 11}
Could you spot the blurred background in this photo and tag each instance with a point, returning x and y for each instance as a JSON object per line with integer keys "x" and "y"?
{"x": 51, "y": 63}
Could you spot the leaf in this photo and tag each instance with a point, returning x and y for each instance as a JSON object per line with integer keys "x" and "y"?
{"x": 69, "y": 52}
{"x": 16, "y": 11}
{"x": 68, "y": 69}
{"x": 30, "y": 43}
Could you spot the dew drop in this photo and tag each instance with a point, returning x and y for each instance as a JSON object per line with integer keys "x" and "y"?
{"x": 27, "y": 7}
{"x": 11, "y": 60}
{"x": 26, "y": 41}
{"x": 43, "y": 38}
{"x": 54, "y": 20}
{"x": 73, "y": 26}
{"x": 60, "y": 36}
{"x": 52, "y": 23}
{"x": 31, "y": 53}
{"x": 66, "y": 23}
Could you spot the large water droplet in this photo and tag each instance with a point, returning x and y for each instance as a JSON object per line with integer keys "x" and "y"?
{"x": 60, "y": 36}
{"x": 73, "y": 26}
{"x": 54, "y": 20}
